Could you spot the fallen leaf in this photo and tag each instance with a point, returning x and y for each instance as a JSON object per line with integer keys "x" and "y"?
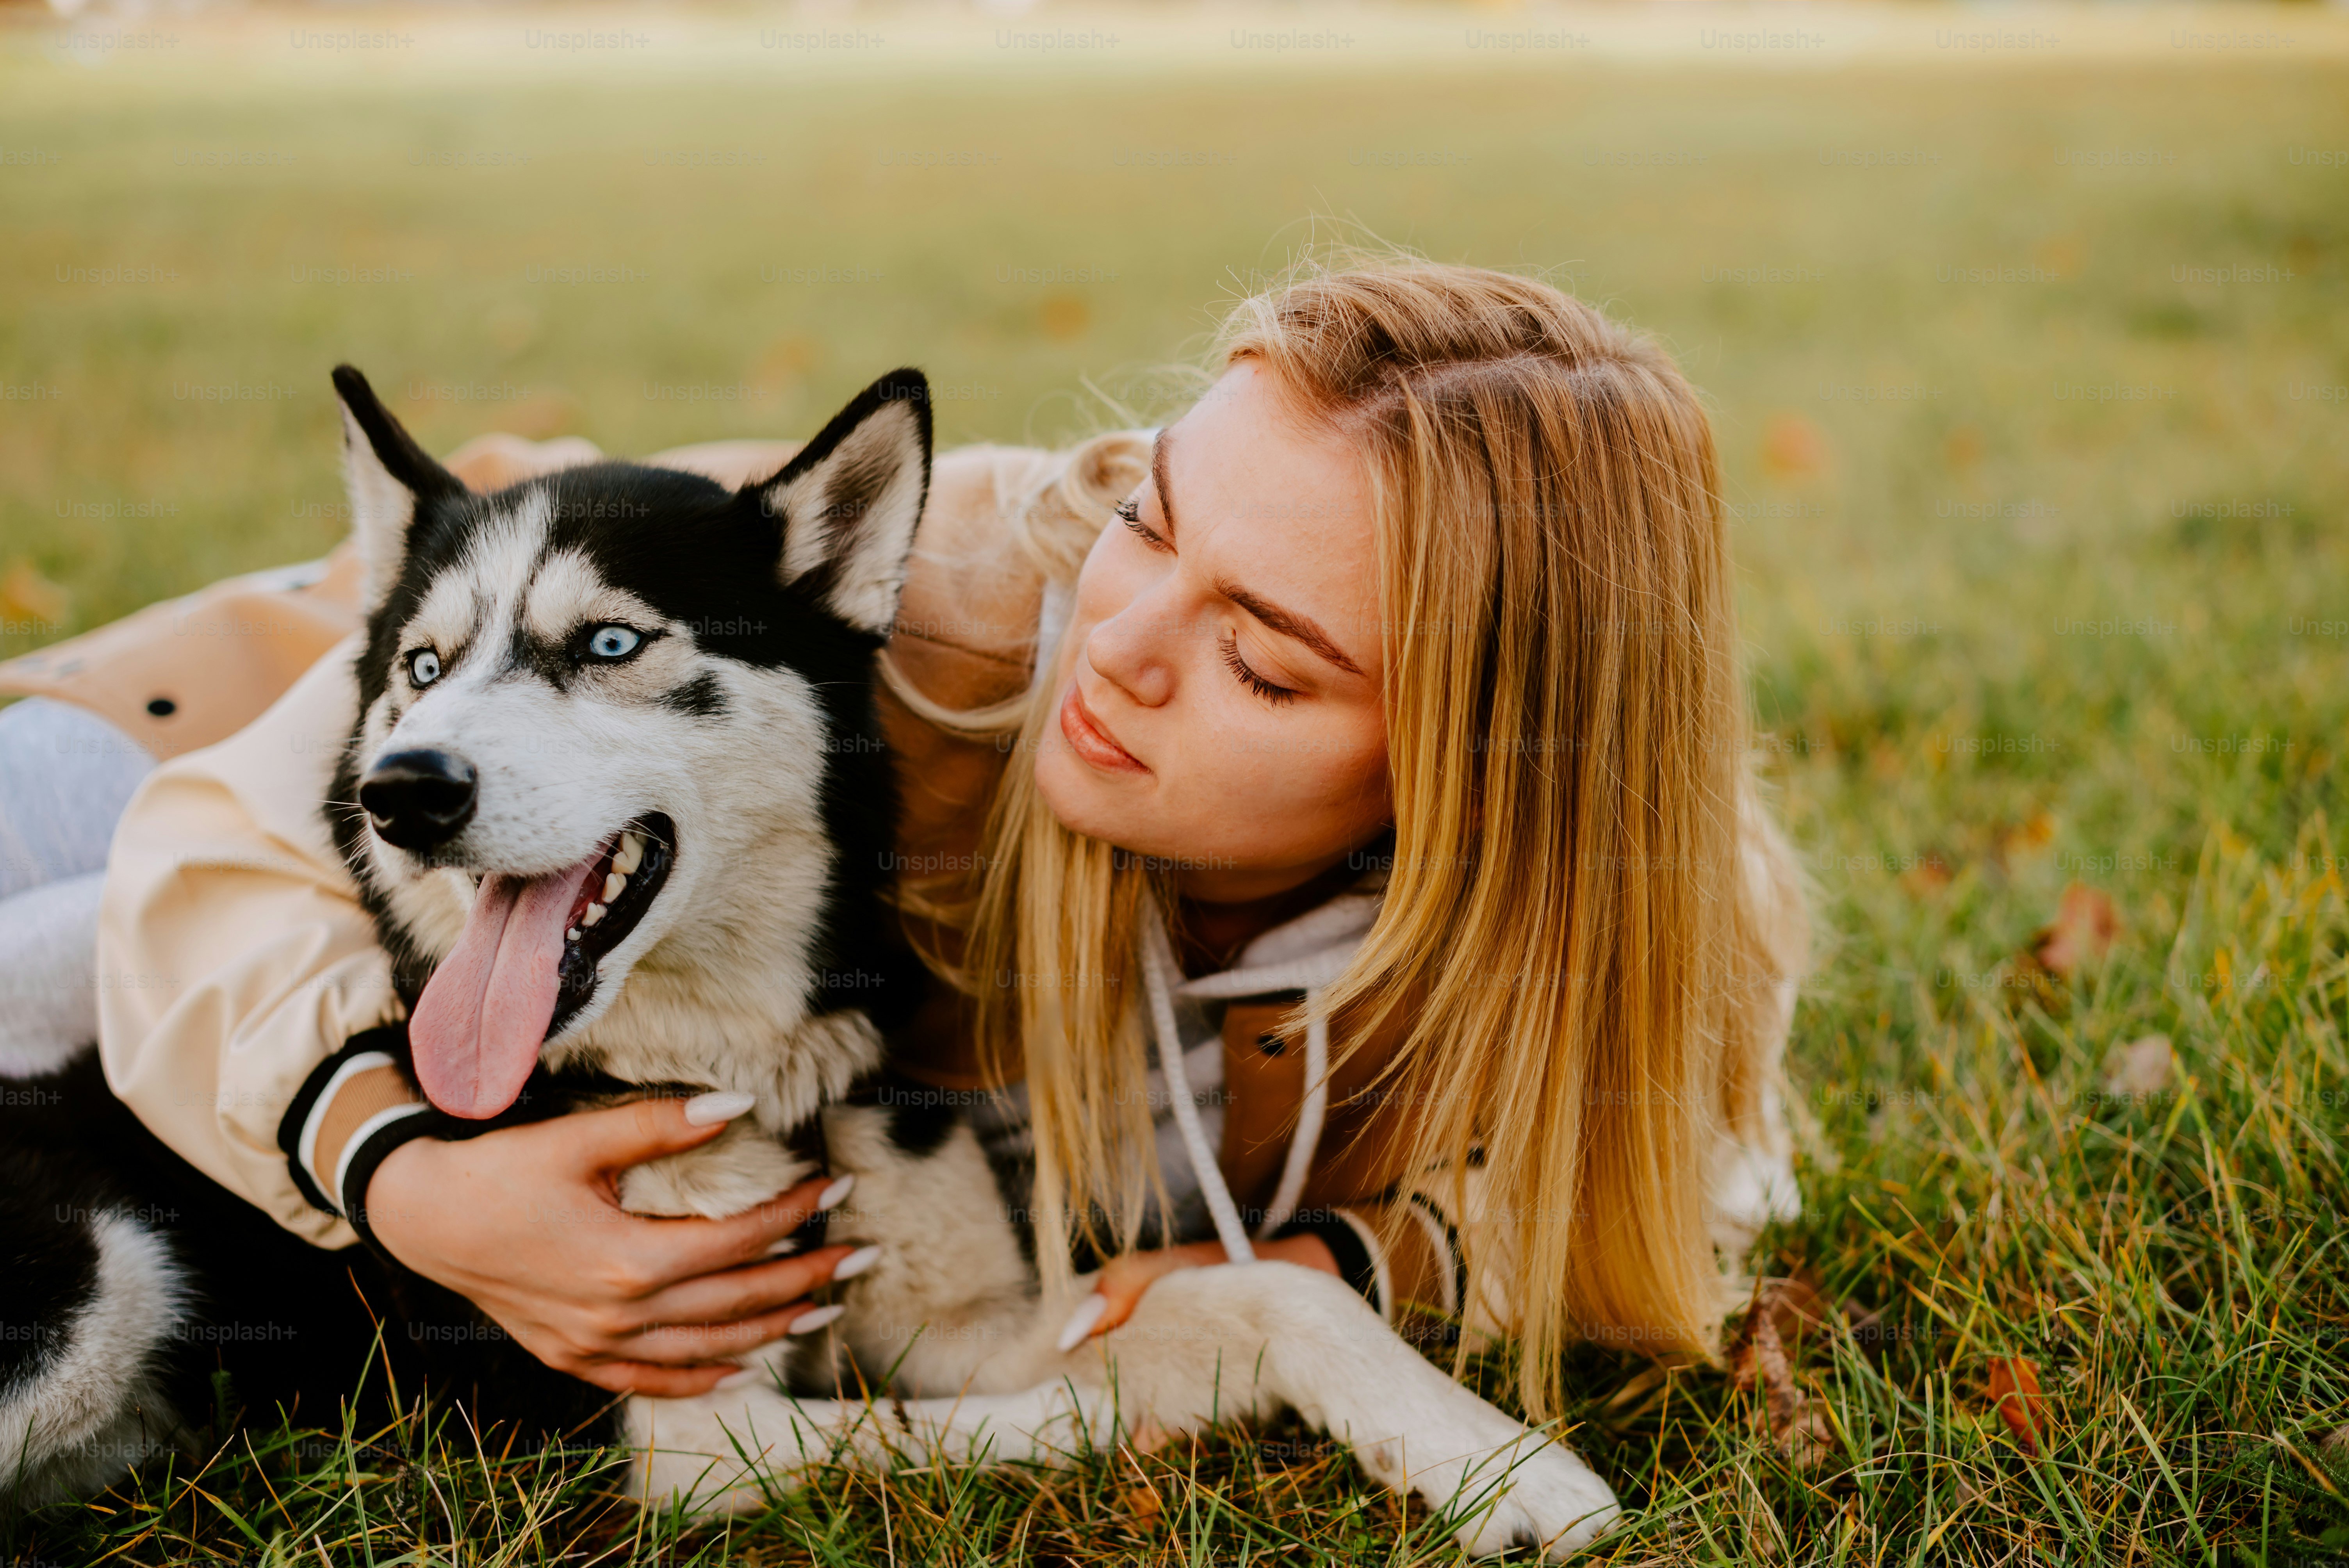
{"x": 26, "y": 595}
{"x": 1931, "y": 873}
{"x": 2014, "y": 1394}
{"x": 1810, "y": 1440}
{"x": 1799, "y": 1307}
{"x": 1758, "y": 1359}
{"x": 2140, "y": 1069}
{"x": 1790, "y": 1305}
{"x": 1140, "y": 1501}
{"x": 1066, "y": 315}
{"x": 1793, "y": 447}
{"x": 2085, "y": 925}
{"x": 1148, "y": 1437}
{"x": 1963, "y": 447}
{"x": 785, "y": 360}
{"x": 2059, "y": 255}
{"x": 2011, "y": 841}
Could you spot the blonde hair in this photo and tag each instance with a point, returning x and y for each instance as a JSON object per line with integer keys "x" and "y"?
{"x": 1589, "y": 924}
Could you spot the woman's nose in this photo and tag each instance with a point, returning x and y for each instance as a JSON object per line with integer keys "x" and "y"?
{"x": 1130, "y": 650}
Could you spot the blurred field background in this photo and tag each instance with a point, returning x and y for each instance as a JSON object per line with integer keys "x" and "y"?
{"x": 2053, "y": 681}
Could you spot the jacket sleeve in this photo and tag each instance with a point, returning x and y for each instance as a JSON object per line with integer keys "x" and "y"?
{"x": 234, "y": 959}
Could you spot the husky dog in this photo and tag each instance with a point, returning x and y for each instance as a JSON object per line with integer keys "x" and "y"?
{"x": 616, "y": 798}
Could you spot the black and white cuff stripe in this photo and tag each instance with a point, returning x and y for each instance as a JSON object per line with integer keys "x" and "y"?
{"x": 353, "y": 1110}
{"x": 1451, "y": 1265}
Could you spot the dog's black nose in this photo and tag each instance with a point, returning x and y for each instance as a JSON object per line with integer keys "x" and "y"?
{"x": 419, "y": 799}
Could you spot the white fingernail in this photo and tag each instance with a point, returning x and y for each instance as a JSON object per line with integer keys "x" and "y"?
{"x": 720, "y": 1105}
{"x": 1081, "y": 1322}
{"x": 809, "y": 1321}
{"x": 739, "y": 1380}
{"x": 856, "y": 1262}
{"x": 830, "y": 1196}
{"x": 784, "y": 1248}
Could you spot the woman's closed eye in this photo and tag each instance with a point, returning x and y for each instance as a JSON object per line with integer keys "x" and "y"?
{"x": 1129, "y": 512}
{"x": 1230, "y": 646}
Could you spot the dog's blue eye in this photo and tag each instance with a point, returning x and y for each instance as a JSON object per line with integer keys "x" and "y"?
{"x": 424, "y": 666}
{"x": 614, "y": 642}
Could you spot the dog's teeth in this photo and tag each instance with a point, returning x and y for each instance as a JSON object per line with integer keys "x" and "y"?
{"x": 571, "y": 934}
{"x": 595, "y": 912}
{"x": 631, "y": 854}
{"x": 615, "y": 884}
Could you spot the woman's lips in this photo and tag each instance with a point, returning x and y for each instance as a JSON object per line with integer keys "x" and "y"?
{"x": 1089, "y": 740}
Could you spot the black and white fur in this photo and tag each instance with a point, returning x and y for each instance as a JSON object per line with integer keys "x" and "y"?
{"x": 764, "y": 960}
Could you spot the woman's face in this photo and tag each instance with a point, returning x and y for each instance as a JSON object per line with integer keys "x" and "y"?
{"x": 1222, "y": 708}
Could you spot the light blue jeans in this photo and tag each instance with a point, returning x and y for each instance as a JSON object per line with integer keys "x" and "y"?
{"x": 66, "y": 774}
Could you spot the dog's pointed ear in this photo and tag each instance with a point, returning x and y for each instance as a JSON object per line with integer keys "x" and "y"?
{"x": 390, "y": 478}
{"x": 849, "y": 502}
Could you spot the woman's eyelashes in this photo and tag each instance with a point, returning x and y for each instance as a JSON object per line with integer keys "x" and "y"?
{"x": 1130, "y": 513}
{"x": 1230, "y": 646}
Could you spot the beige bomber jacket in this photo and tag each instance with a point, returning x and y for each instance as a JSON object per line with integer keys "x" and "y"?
{"x": 237, "y": 960}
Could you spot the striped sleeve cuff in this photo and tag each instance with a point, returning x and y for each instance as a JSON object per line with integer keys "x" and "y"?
{"x": 355, "y": 1108}
{"x": 1451, "y": 1271}
{"x": 1422, "y": 1270}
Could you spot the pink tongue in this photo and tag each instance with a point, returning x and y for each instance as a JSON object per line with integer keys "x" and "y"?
{"x": 485, "y": 1013}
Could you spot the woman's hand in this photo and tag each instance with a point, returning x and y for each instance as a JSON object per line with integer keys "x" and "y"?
{"x": 525, "y": 1223}
{"x": 1119, "y": 1289}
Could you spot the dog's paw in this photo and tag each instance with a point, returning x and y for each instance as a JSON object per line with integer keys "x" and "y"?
{"x": 738, "y": 1170}
{"x": 1507, "y": 1487}
{"x": 1547, "y": 1500}
{"x": 713, "y": 1454}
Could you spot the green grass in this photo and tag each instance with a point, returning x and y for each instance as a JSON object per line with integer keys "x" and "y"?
{"x": 1950, "y": 748}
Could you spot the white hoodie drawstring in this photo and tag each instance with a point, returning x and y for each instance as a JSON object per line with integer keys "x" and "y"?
{"x": 1156, "y": 960}
{"x": 1311, "y": 971}
{"x": 1303, "y": 1147}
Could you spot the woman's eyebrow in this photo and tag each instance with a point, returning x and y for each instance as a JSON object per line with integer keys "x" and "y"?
{"x": 1288, "y": 624}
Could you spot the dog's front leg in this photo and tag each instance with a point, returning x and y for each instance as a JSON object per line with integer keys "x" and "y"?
{"x": 732, "y": 1453}
{"x": 1203, "y": 1345}
{"x": 1210, "y": 1343}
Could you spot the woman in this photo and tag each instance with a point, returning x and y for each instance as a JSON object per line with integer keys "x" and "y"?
{"x": 1402, "y": 675}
